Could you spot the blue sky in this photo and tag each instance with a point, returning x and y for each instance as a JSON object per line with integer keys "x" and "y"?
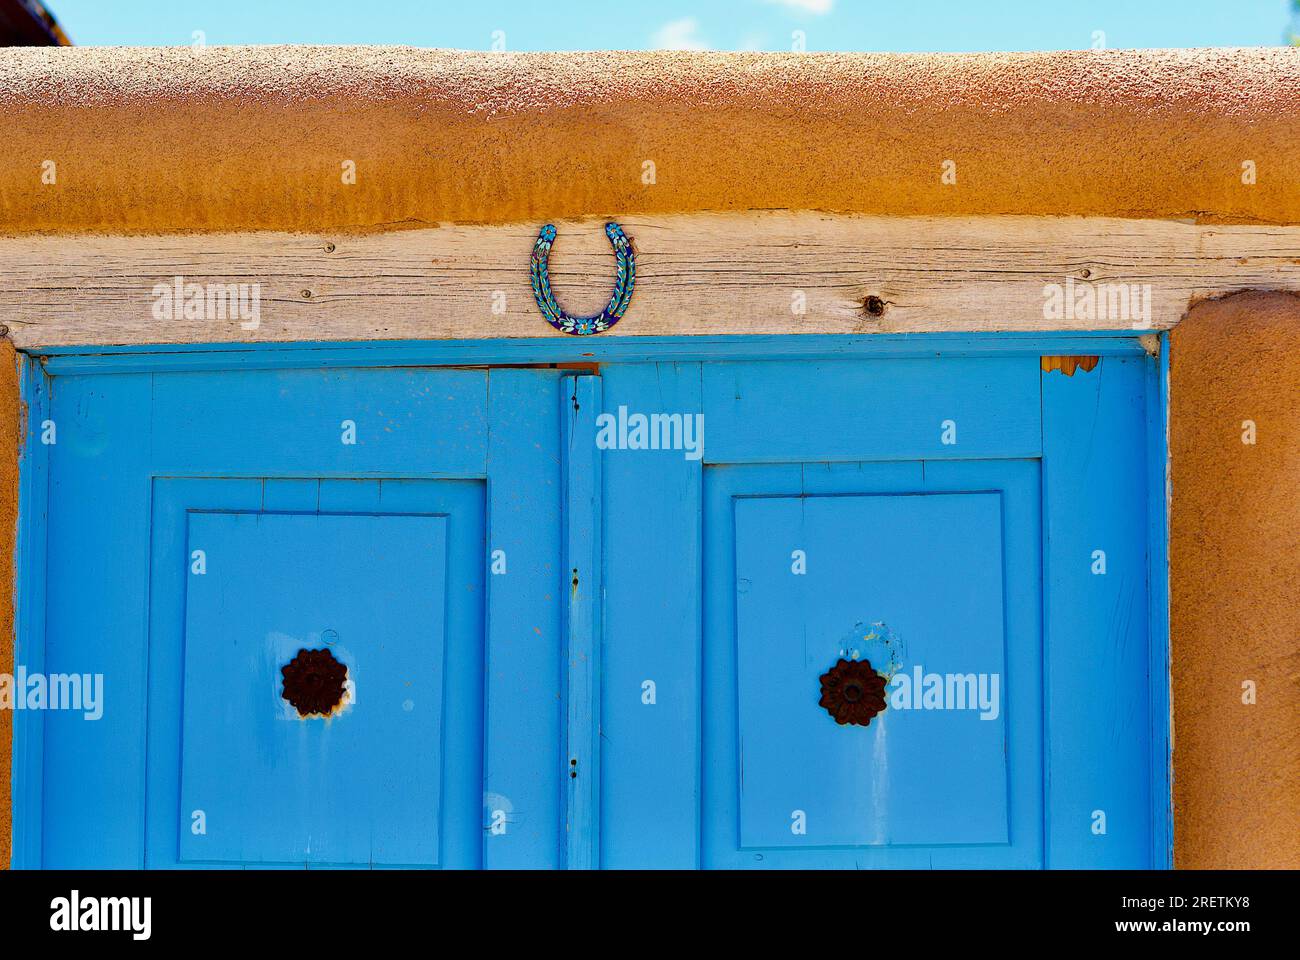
{"x": 896, "y": 25}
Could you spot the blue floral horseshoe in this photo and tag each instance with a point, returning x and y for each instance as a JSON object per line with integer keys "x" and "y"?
{"x": 624, "y": 280}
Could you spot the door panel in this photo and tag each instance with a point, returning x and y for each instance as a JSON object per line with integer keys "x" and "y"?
{"x": 523, "y": 732}
{"x": 271, "y": 784}
{"x": 929, "y": 563}
{"x": 650, "y": 661}
{"x": 929, "y": 567}
{"x": 1099, "y": 717}
{"x": 408, "y": 422}
{"x": 441, "y": 740}
{"x": 97, "y": 620}
{"x": 787, "y": 411}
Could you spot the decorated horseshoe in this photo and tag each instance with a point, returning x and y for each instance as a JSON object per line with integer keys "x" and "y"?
{"x": 624, "y": 279}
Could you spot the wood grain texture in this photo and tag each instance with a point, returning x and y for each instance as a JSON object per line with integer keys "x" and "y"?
{"x": 712, "y": 273}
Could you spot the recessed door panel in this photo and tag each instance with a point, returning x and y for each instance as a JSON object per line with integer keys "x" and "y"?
{"x": 343, "y": 614}
{"x": 910, "y": 589}
{"x": 929, "y": 573}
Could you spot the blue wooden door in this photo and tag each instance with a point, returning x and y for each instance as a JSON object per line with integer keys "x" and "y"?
{"x": 815, "y": 613}
{"x": 960, "y": 544}
{"x": 399, "y": 527}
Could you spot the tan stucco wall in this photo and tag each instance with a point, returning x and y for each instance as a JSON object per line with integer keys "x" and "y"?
{"x": 1235, "y": 584}
{"x": 247, "y": 138}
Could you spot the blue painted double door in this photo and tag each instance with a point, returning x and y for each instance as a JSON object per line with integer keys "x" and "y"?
{"x": 843, "y": 613}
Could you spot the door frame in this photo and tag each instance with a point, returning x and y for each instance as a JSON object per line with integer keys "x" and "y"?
{"x": 39, "y": 368}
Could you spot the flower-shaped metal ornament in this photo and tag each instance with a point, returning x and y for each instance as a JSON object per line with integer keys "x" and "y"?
{"x": 314, "y": 683}
{"x": 852, "y": 692}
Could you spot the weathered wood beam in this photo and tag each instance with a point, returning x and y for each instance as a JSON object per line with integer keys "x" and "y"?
{"x": 712, "y": 273}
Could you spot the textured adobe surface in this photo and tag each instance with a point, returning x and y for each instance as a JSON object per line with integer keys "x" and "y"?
{"x": 1235, "y": 592}
{"x": 234, "y": 138}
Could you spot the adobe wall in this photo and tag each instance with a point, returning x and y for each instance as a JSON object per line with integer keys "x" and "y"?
{"x": 1235, "y": 582}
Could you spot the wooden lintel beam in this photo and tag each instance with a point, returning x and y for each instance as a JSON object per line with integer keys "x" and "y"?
{"x": 707, "y": 273}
